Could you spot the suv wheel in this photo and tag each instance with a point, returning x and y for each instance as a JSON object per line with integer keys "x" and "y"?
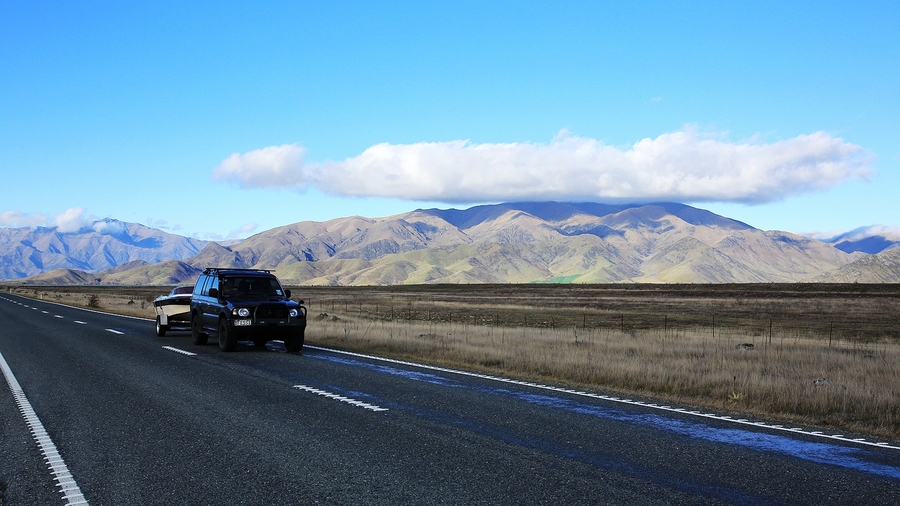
{"x": 294, "y": 342}
{"x": 160, "y": 329}
{"x": 227, "y": 339}
{"x": 196, "y": 335}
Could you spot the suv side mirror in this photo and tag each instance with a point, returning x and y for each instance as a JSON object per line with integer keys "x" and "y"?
{"x": 214, "y": 293}
{"x": 287, "y": 293}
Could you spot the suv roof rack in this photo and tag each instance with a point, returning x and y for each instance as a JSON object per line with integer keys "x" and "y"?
{"x": 210, "y": 270}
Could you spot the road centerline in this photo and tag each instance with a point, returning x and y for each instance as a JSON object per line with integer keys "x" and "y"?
{"x": 341, "y": 398}
{"x": 178, "y": 350}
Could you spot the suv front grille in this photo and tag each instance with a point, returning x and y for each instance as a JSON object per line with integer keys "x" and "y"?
{"x": 271, "y": 311}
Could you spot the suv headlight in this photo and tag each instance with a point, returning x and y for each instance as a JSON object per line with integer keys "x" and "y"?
{"x": 294, "y": 313}
{"x": 242, "y": 312}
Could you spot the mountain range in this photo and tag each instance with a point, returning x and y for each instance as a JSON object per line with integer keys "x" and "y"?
{"x": 106, "y": 244}
{"x": 504, "y": 243}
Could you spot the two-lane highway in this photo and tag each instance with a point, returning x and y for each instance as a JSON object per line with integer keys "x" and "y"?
{"x": 140, "y": 419}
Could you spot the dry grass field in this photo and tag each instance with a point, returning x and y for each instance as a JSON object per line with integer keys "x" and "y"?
{"x": 827, "y": 355}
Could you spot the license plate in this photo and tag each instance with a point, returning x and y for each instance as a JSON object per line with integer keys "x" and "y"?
{"x": 242, "y": 323}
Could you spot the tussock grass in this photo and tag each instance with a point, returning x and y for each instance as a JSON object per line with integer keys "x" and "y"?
{"x": 847, "y": 385}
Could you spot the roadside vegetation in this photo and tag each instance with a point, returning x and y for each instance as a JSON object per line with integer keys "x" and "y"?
{"x": 827, "y": 355}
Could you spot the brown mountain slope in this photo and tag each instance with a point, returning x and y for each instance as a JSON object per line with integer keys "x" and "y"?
{"x": 61, "y": 277}
{"x": 690, "y": 260}
{"x": 171, "y": 272}
{"x": 507, "y": 243}
{"x": 880, "y": 268}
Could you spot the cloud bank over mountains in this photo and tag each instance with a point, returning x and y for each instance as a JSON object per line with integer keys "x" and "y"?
{"x": 74, "y": 219}
{"x": 685, "y": 166}
{"x": 888, "y": 232}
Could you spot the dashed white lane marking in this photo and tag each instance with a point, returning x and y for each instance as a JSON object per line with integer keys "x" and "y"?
{"x": 176, "y": 350}
{"x": 57, "y": 316}
{"x": 682, "y": 411}
{"x": 71, "y": 493}
{"x": 80, "y": 322}
{"x": 340, "y": 398}
{"x": 114, "y": 331}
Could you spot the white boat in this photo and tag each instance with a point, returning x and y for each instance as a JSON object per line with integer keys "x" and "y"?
{"x": 173, "y": 310}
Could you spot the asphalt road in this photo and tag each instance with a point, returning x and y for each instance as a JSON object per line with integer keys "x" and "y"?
{"x": 136, "y": 420}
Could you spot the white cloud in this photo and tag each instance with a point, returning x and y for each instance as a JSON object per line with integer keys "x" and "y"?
{"x": 243, "y": 231}
{"x": 891, "y": 233}
{"x": 72, "y": 220}
{"x": 680, "y": 166}
{"x": 266, "y": 167}
{"x": 888, "y": 232}
{"x": 109, "y": 227}
{"x": 15, "y": 219}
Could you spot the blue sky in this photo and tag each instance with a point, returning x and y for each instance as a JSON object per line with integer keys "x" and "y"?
{"x": 218, "y": 120}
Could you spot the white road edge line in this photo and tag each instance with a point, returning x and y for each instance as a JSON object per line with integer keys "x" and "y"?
{"x": 682, "y": 411}
{"x": 341, "y": 398}
{"x": 64, "y": 480}
{"x": 176, "y": 350}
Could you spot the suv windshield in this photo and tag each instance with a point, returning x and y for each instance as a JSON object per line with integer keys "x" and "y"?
{"x": 250, "y": 287}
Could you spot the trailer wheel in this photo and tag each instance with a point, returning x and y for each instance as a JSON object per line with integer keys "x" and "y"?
{"x": 160, "y": 328}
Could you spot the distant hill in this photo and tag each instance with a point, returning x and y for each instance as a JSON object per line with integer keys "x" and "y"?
{"x": 106, "y": 244}
{"x": 63, "y": 277}
{"x": 170, "y": 272}
{"x": 869, "y": 240}
{"x": 515, "y": 243}
{"x": 879, "y": 268}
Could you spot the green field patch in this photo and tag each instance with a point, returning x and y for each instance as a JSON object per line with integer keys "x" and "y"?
{"x": 560, "y": 280}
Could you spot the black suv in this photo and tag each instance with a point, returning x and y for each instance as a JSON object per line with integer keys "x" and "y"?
{"x": 245, "y": 303}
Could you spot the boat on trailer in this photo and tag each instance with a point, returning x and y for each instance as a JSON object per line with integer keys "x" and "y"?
{"x": 173, "y": 310}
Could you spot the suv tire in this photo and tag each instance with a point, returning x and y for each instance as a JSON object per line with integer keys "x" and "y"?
{"x": 197, "y": 336}
{"x": 227, "y": 340}
{"x": 294, "y": 342}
